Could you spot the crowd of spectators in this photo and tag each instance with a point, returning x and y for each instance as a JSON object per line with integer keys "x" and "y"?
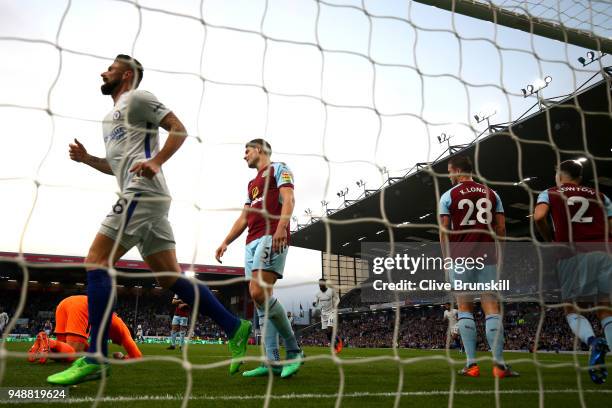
{"x": 425, "y": 328}
{"x": 419, "y": 327}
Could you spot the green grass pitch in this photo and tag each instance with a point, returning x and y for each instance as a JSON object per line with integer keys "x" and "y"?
{"x": 371, "y": 376}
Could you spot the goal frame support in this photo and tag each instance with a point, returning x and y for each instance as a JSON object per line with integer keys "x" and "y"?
{"x": 534, "y": 25}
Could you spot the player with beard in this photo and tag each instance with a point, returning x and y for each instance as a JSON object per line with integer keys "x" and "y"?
{"x": 140, "y": 216}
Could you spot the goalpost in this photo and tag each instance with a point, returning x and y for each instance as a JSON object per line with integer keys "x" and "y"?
{"x": 342, "y": 89}
{"x": 497, "y": 14}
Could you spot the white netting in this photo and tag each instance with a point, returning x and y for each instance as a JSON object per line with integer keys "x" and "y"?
{"x": 341, "y": 89}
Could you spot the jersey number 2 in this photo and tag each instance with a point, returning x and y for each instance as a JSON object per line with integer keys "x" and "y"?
{"x": 584, "y": 206}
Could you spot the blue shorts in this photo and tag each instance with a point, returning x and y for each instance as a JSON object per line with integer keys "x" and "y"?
{"x": 180, "y": 321}
{"x": 259, "y": 255}
{"x": 484, "y": 275}
{"x": 585, "y": 275}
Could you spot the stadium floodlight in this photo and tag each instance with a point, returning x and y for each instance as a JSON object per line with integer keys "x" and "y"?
{"x": 308, "y": 212}
{"x": 582, "y": 160}
{"x": 591, "y": 57}
{"x": 362, "y": 184}
{"x": 294, "y": 219}
{"x": 422, "y": 217}
{"x": 189, "y": 274}
{"x": 346, "y": 244}
{"x": 343, "y": 192}
{"x": 524, "y": 91}
{"x": 361, "y": 238}
{"x": 530, "y": 89}
{"x": 380, "y": 232}
{"x": 547, "y": 79}
{"x": 482, "y": 116}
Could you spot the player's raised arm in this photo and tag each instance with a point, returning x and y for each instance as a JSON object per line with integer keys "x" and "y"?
{"x": 79, "y": 154}
{"x": 176, "y": 137}
{"x": 237, "y": 229}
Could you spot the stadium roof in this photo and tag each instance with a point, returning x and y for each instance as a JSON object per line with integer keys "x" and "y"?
{"x": 69, "y": 269}
{"x": 517, "y": 161}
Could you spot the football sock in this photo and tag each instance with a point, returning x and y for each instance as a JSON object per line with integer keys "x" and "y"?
{"x": 270, "y": 336}
{"x": 606, "y": 326}
{"x": 173, "y": 338}
{"x": 61, "y": 347}
{"x": 495, "y": 337}
{"x": 278, "y": 316}
{"x": 98, "y": 296}
{"x": 209, "y": 305}
{"x": 182, "y": 338}
{"x": 467, "y": 330}
{"x": 581, "y": 327}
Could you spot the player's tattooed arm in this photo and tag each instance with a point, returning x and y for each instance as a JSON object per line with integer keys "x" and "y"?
{"x": 176, "y": 136}
{"x": 540, "y": 216}
{"x": 79, "y": 154}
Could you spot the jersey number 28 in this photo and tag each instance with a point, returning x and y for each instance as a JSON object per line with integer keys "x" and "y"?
{"x": 484, "y": 215}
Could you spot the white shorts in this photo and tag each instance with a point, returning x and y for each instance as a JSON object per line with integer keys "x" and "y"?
{"x": 327, "y": 320}
{"x": 145, "y": 223}
{"x": 454, "y": 329}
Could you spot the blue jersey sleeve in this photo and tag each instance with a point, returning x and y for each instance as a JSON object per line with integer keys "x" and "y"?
{"x": 283, "y": 176}
{"x": 445, "y": 203}
{"x": 499, "y": 208}
{"x": 543, "y": 198}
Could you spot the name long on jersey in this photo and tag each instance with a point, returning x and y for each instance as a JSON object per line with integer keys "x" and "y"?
{"x": 131, "y": 135}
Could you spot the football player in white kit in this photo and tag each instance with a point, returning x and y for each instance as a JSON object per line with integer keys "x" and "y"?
{"x": 450, "y": 314}
{"x": 4, "y": 319}
{"x": 140, "y": 216}
{"x": 327, "y": 300}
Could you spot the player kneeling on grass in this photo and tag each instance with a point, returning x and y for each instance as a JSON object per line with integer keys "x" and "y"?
{"x": 579, "y": 219}
{"x": 473, "y": 213}
{"x": 266, "y": 213}
{"x": 71, "y": 330}
{"x": 140, "y": 216}
{"x": 328, "y": 301}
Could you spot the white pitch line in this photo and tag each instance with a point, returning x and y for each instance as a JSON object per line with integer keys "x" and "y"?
{"x": 169, "y": 397}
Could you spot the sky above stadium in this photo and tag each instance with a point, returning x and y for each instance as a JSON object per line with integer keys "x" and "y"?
{"x": 331, "y": 115}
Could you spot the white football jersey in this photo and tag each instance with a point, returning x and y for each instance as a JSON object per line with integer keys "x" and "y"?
{"x": 451, "y": 315}
{"x": 3, "y": 319}
{"x": 327, "y": 301}
{"x": 131, "y": 135}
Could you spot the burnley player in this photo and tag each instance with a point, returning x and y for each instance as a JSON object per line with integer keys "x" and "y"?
{"x": 580, "y": 215}
{"x": 327, "y": 300}
{"x": 140, "y": 216}
{"x": 180, "y": 323}
{"x": 470, "y": 213}
{"x": 266, "y": 214}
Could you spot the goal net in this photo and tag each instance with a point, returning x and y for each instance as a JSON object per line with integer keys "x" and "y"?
{"x": 365, "y": 101}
